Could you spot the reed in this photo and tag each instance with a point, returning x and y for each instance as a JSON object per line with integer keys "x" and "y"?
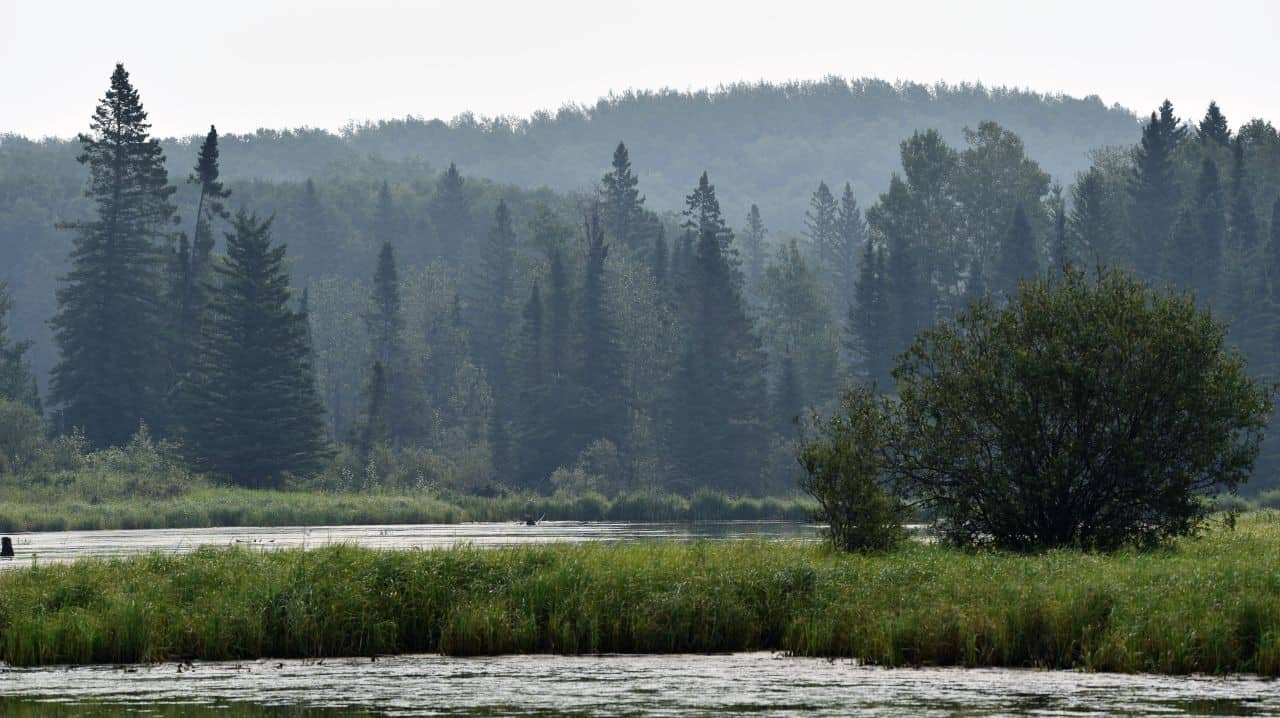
{"x": 1201, "y": 605}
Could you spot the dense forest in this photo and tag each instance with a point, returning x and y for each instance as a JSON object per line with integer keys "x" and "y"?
{"x": 356, "y": 307}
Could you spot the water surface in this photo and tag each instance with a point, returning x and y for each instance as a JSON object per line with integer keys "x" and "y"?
{"x": 756, "y": 683}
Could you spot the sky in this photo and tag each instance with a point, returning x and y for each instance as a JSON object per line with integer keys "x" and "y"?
{"x": 325, "y": 63}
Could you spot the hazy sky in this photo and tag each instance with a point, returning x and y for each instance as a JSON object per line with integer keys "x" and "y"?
{"x": 322, "y": 63}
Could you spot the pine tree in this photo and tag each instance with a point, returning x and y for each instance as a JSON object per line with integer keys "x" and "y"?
{"x": 559, "y": 328}
{"x": 384, "y": 321}
{"x": 717, "y": 431}
{"x": 622, "y": 203}
{"x": 1018, "y": 253}
{"x": 1211, "y": 220}
{"x": 753, "y": 248}
{"x": 1153, "y": 190}
{"x": 661, "y": 262}
{"x": 401, "y": 406}
{"x": 451, "y": 216}
{"x": 1213, "y": 129}
{"x": 851, "y": 234}
{"x": 702, "y": 214}
{"x": 908, "y": 294}
{"x": 17, "y": 383}
{"x": 605, "y": 415}
{"x": 373, "y": 428}
{"x": 868, "y": 329}
{"x": 495, "y": 285}
{"x": 788, "y": 396}
{"x": 387, "y": 226}
{"x": 110, "y": 321}
{"x": 1092, "y": 226}
{"x": 253, "y": 410}
{"x": 820, "y": 227}
{"x": 1060, "y": 250}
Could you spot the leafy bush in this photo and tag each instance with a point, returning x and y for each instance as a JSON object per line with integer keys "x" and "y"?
{"x": 1089, "y": 413}
{"x": 846, "y": 474}
{"x": 22, "y": 441}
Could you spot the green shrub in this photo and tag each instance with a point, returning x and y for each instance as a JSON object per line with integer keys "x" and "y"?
{"x": 22, "y": 442}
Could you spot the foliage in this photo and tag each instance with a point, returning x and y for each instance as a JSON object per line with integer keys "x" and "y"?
{"x": 847, "y": 475}
{"x": 1084, "y": 413}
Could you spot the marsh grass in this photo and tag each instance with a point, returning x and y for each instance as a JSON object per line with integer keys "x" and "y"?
{"x": 1201, "y": 605}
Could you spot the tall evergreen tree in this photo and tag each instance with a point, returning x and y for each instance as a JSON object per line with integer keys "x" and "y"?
{"x": 605, "y": 415}
{"x": 1060, "y": 250}
{"x": 1153, "y": 190}
{"x": 1018, "y": 253}
{"x": 717, "y": 429}
{"x": 253, "y": 412}
{"x": 385, "y": 321}
{"x": 660, "y": 262}
{"x": 753, "y": 247}
{"x": 1092, "y": 226}
{"x": 401, "y": 406}
{"x": 851, "y": 234}
{"x": 622, "y": 203}
{"x": 702, "y": 214}
{"x": 788, "y": 402}
{"x": 373, "y": 428}
{"x": 1213, "y": 129}
{"x": 17, "y": 383}
{"x": 868, "y": 328}
{"x": 110, "y": 321}
{"x": 1211, "y": 226}
{"x": 908, "y": 294}
{"x": 451, "y": 217}
{"x": 1241, "y": 266}
{"x": 387, "y": 226}
{"x": 820, "y": 226}
{"x": 495, "y": 285}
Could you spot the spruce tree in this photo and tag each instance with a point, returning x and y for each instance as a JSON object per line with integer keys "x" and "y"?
{"x": 1211, "y": 221}
{"x": 717, "y": 428}
{"x": 17, "y": 383}
{"x": 820, "y": 225}
{"x": 494, "y": 289}
{"x": 373, "y": 427}
{"x": 1213, "y": 129}
{"x": 605, "y": 413}
{"x": 451, "y": 217}
{"x": 908, "y": 294}
{"x": 868, "y": 329}
{"x": 1018, "y": 253}
{"x": 788, "y": 397}
{"x": 753, "y": 248}
{"x": 1154, "y": 192}
{"x": 1060, "y": 250}
{"x": 622, "y": 203}
{"x": 702, "y": 214}
{"x": 386, "y": 225}
{"x": 253, "y": 410}
{"x": 1242, "y": 269}
{"x": 401, "y": 406}
{"x": 110, "y": 323}
{"x": 851, "y": 234}
{"x": 1092, "y": 227}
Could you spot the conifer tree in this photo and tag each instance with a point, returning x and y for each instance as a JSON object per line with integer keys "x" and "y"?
{"x": 717, "y": 431}
{"x": 110, "y": 323}
{"x": 753, "y": 247}
{"x": 1018, "y": 253}
{"x": 1154, "y": 192}
{"x": 605, "y": 415}
{"x": 1091, "y": 225}
{"x": 820, "y": 224}
{"x": 373, "y": 429}
{"x": 622, "y": 203}
{"x": 1243, "y": 271}
{"x": 1272, "y": 260}
{"x": 252, "y": 410}
{"x": 387, "y": 226}
{"x": 851, "y": 234}
{"x": 661, "y": 263}
{"x": 1213, "y": 129}
{"x": 788, "y": 396}
{"x": 1211, "y": 229}
{"x": 401, "y": 406}
{"x": 907, "y": 292}
{"x": 384, "y": 321}
{"x": 868, "y": 329}
{"x": 451, "y": 217}
{"x": 1060, "y": 254}
{"x": 702, "y": 214}
{"x": 494, "y": 287}
{"x": 17, "y": 383}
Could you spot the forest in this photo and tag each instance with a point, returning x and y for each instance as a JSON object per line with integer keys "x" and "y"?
{"x": 556, "y": 304}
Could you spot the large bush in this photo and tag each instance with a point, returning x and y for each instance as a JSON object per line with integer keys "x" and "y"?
{"x": 1087, "y": 412}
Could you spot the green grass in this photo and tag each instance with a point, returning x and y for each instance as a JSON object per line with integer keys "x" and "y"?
{"x": 217, "y": 506}
{"x": 1202, "y": 605}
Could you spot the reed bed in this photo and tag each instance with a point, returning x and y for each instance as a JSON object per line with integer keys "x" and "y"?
{"x": 209, "y": 507}
{"x": 1201, "y": 605}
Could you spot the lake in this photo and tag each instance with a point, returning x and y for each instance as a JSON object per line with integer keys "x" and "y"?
{"x": 757, "y": 683}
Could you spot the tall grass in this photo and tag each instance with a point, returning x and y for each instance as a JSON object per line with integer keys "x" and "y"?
{"x": 1203, "y": 605}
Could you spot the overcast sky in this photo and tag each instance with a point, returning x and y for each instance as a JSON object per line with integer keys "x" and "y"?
{"x": 244, "y": 64}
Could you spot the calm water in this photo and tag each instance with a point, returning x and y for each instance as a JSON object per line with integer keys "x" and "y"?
{"x": 70, "y": 545}
{"x": 756, "y": 683}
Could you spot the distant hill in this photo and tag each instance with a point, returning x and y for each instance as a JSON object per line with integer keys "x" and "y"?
{"x": 763, "y": 143}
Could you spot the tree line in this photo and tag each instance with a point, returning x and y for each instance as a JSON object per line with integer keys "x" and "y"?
{"x": 540, "y": 341}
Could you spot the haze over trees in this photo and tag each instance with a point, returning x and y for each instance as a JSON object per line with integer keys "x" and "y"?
{"x": 429, "y": 322}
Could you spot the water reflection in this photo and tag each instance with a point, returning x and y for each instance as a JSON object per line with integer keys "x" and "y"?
{"x": 761, "y": 684}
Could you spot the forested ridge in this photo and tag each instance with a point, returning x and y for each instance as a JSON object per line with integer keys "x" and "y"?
{"x": 400, "y": 320}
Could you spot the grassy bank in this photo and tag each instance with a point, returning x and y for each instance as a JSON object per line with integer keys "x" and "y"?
{"x": 1203, "y": 605}
{"x": 210, "y": 506}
